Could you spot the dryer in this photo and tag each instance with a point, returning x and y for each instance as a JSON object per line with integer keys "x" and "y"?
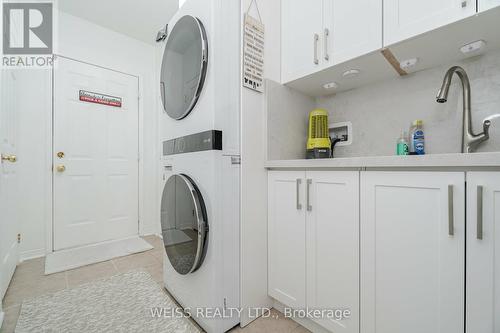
{"x": 200, "y": 72}
{"x": 200, "y": 228}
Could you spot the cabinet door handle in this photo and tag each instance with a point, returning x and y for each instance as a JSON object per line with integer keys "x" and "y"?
{"x": 316, "y": 39}
{"x": 309, "y": 207}
{"x": 299, "y": 181}
{"x": 479, "y": 222}
{"x": 327, "y": 34}
{"x": 451, "y": 228}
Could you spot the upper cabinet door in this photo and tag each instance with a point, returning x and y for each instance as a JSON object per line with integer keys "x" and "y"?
{"x": 352, "y": 29}
{"x": 332, "y": 232}
{"x": 404, "y": 19}
{"x": 286, "y": 238}
{"x": 412, "y": 252}
{"x": 487, "y": 4}
{"x": 301, "y": 38}
{"x": 483, "y": 252}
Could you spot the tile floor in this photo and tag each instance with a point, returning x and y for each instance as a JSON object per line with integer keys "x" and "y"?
{"x": 29, "y": 281}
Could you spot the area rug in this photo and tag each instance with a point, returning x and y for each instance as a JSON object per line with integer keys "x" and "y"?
{"x": 122, "y": 303}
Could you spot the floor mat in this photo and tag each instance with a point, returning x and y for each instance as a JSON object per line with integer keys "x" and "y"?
{"x": 122, "y": 303}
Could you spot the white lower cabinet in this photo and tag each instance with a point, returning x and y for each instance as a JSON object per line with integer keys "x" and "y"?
{"x": 286, "y": 238}
{"x": 391, "y": 247}
{"x": 483, "y": 252}
{"x": 314, "y": 245}
{"x": 412, "y": 252}
{"x": 332, "y": 247}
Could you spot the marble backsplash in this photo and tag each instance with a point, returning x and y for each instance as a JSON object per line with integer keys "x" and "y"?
{"x": 287, "y": 121}
{"x": 379, "y": 112}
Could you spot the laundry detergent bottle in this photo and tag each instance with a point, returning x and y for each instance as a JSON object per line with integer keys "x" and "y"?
{"x": 417, "y": 138}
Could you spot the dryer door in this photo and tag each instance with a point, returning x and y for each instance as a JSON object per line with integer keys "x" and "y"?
{"x": 184, "y": 67}
{"x": 184, "y": 224}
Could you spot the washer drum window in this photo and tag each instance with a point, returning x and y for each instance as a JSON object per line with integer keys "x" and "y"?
{"x": 184, "y": 67}
{"x": 184, "y": 224}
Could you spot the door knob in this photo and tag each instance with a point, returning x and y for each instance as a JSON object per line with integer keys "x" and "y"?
{"x": 61, "y": 168}
{"x": 10, "y": 158}
{"x": 60, "y": 154}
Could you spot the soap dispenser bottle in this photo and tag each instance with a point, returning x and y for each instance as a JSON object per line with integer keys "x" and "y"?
{"x": 417, "y": 138}
{"x": 402, "y": 145}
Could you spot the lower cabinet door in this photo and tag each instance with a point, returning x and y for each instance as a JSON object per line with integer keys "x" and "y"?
{"x": 412, "y": 252}
{"x": 483, "y": 252}
{"x": 332, "y": 232}
{"x": 286, "y": 242}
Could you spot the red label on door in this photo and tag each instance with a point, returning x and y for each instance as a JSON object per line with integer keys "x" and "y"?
{"x": 91, "y": 97}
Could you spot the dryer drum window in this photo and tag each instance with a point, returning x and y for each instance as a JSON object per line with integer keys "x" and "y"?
{"x": 184, "y": 67}
{"x": 184, "y": 224}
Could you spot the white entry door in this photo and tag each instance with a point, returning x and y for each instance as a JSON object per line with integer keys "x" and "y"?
{"x": 95, "y": 154}
{"x": 9, "y": 223}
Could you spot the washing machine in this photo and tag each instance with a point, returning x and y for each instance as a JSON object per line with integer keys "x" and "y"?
{"x": 200, "y": 72}
{"x": 200, "y": 228}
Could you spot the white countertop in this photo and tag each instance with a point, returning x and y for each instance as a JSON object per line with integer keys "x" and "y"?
{"x": 427, "y": 161}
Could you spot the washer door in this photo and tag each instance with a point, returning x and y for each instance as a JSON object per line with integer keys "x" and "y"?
{"x": 184, "y": 224}
{"x": 184, "y": 67}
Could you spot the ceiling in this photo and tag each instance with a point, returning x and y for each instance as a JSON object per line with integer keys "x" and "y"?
{"x": 139, "y": 19}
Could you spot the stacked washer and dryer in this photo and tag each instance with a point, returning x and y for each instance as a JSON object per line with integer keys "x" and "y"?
{"x": 200, "y": 181}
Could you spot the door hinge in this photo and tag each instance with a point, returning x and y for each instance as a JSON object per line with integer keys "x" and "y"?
{"x": 18, "y": 238}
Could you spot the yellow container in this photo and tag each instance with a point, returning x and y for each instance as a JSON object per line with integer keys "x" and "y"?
{"x": 319, "y": 135}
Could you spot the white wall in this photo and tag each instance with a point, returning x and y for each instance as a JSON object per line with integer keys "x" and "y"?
{"x": 84, "y": 41}
{"x": 253, "y": 174}
{"x": 35, "y": 112}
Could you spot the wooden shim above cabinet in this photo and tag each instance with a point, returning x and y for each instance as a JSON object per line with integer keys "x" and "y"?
{"x": 395, "y": 63}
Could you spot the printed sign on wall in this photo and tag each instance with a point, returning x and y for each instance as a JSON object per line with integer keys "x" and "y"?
{"x": 253, "y": 54}
{"x": 91, "y": 97}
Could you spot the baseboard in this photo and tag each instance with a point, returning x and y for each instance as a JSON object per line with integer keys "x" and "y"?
{"x": 67, "y": 259}
{"x": 149, "y": 231}
{"x": 151, "y": 234}
{"x": 31, "y": 254}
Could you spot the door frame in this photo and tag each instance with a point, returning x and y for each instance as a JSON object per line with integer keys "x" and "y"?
{"x": 50, "y": 223}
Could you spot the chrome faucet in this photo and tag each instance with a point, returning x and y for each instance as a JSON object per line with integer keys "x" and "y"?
{"x": 470, "y": 141}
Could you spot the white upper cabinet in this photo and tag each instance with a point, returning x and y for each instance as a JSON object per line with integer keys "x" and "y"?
{"x": 332, "y": 246}
{"x": 317, "y": 34}
{"x": 412, "y": 252}
{"x": 404, "y": 19}
{"x": 487, "y": 4}
{"x": 301, "y": 38}
{"x": 354, "y": 27}
{"x": 286, "y": 235}
{"x": 483, "y": 252}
